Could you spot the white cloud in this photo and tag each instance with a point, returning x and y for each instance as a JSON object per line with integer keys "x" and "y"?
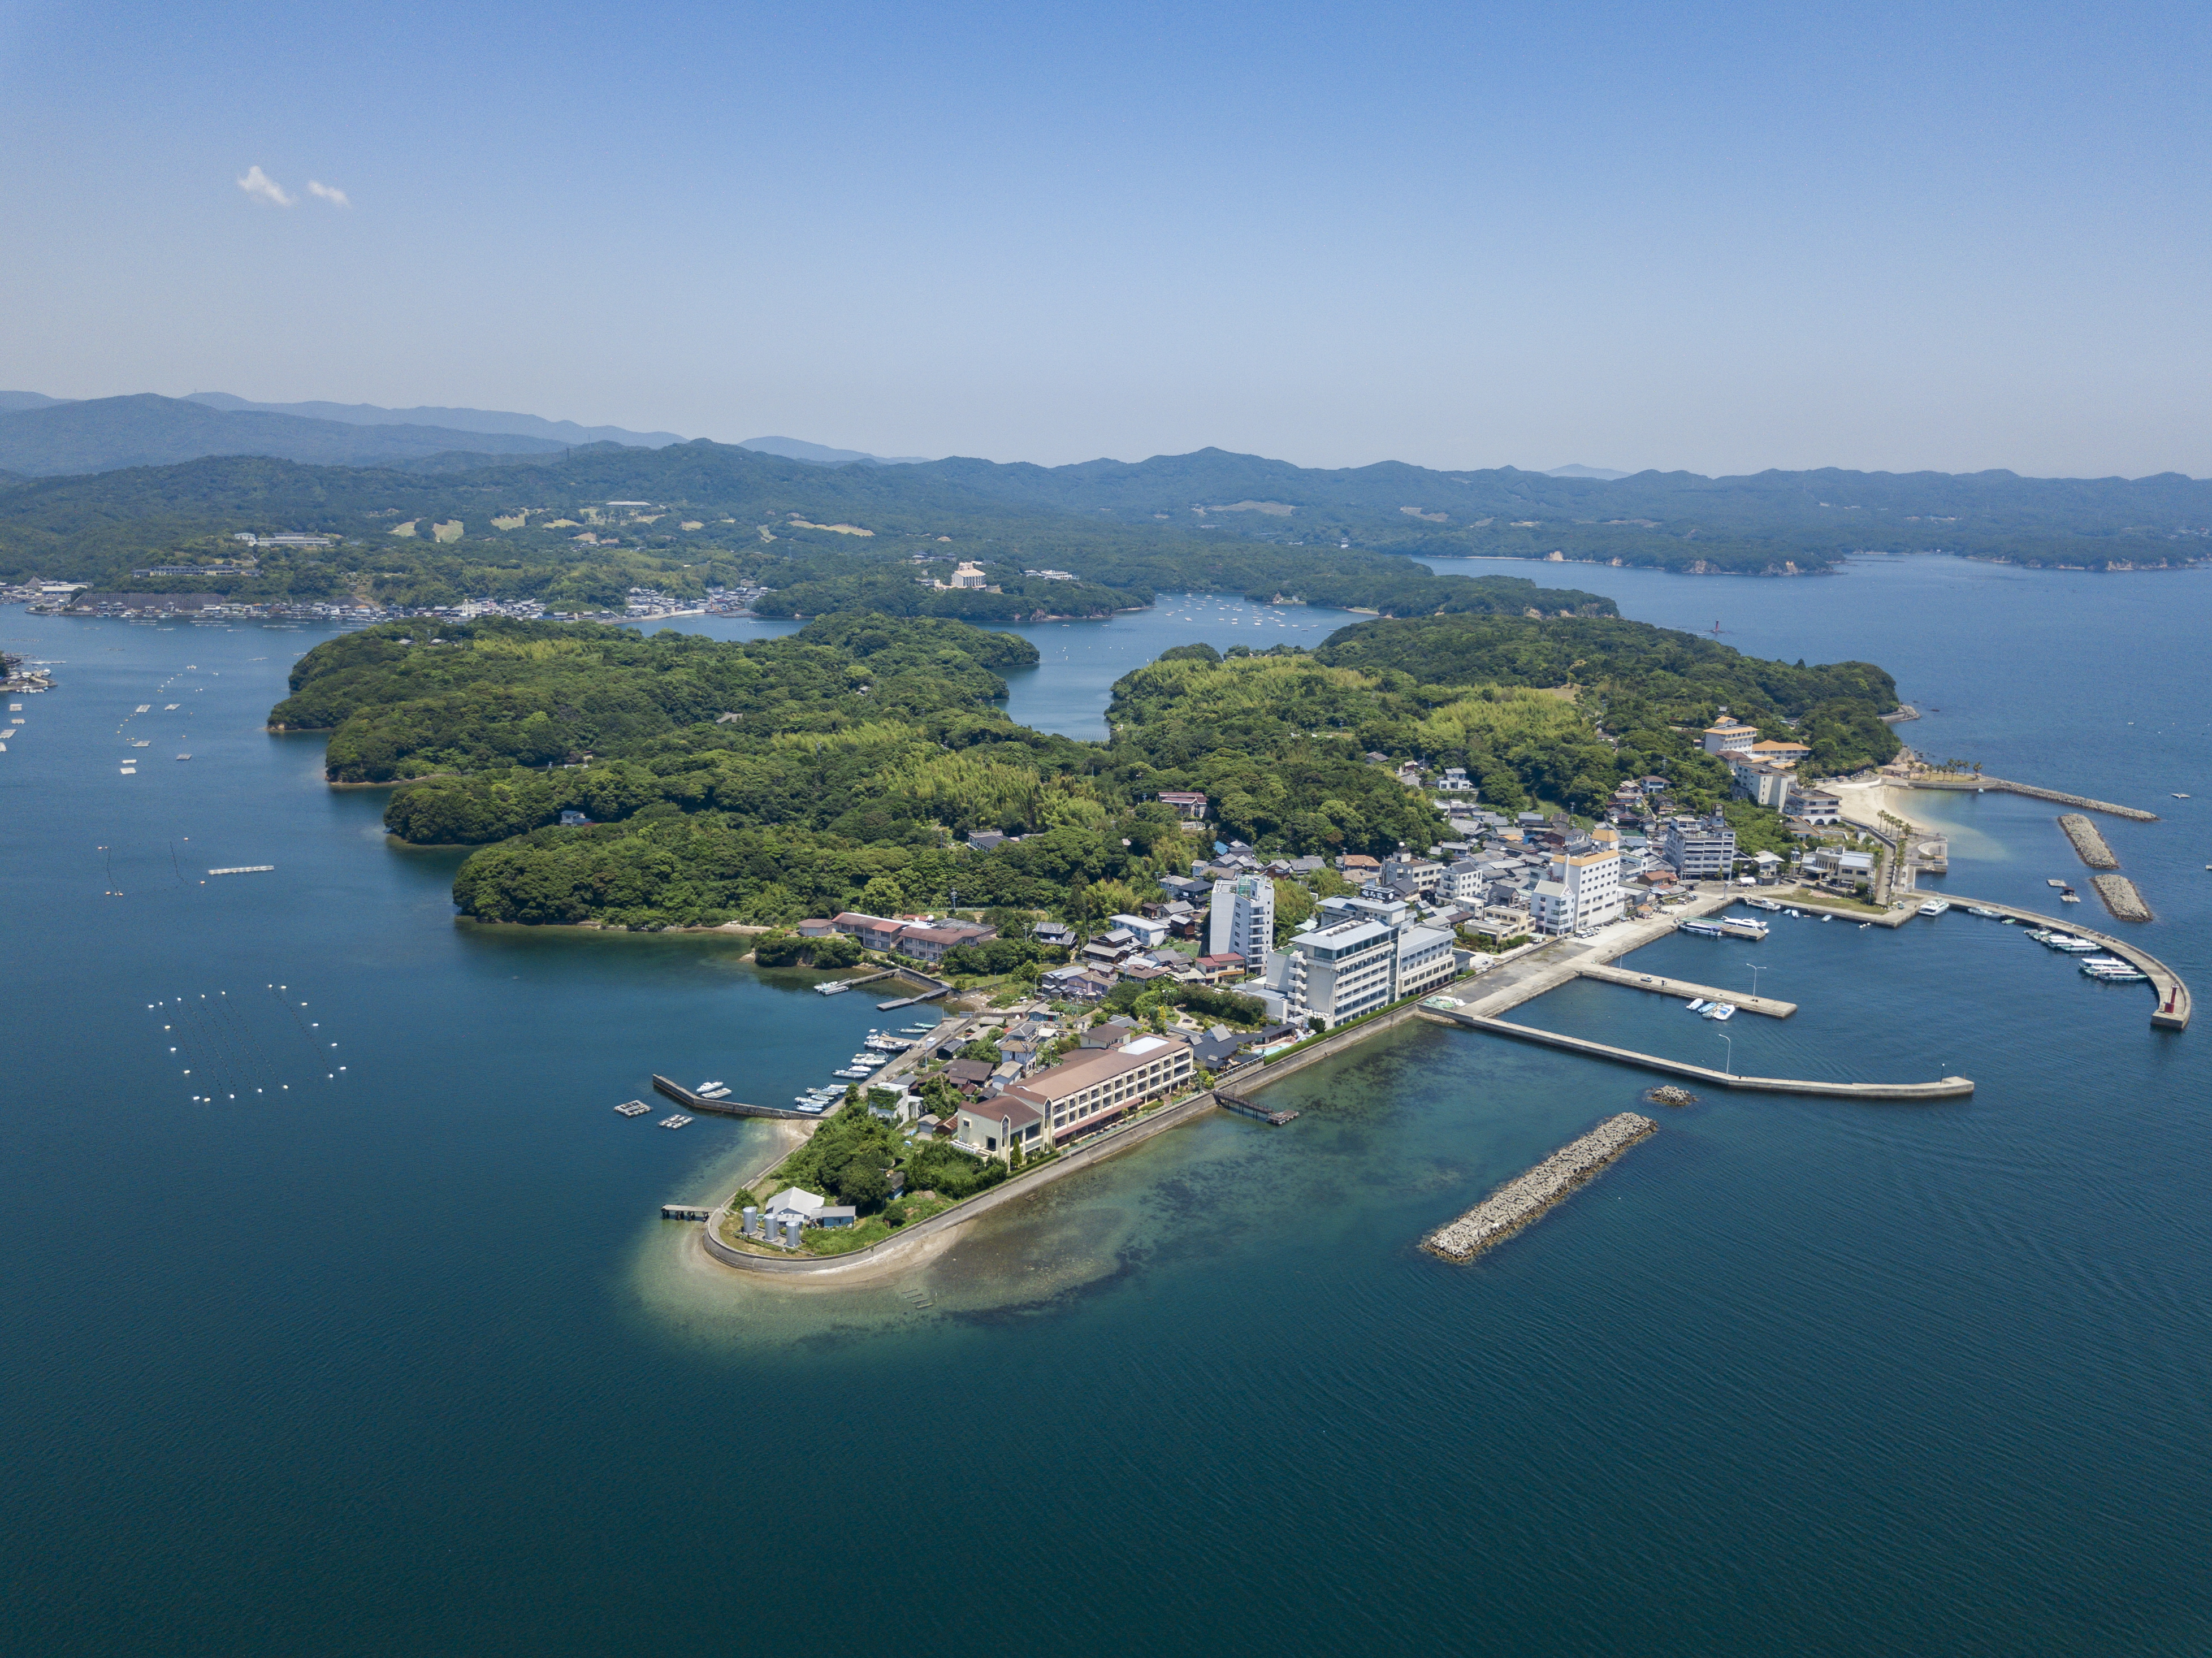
{"x": 261, "y": 186}
{"x": 329, "y": 193}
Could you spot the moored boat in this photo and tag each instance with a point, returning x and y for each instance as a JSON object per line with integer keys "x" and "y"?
{"x": 1935, "y": 907}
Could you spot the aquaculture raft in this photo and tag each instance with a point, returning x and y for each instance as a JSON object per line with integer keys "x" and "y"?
{"x": 1526, "y": 1196}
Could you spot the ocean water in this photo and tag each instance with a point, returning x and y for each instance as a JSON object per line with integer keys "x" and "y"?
{"x": 401, "y": 1359}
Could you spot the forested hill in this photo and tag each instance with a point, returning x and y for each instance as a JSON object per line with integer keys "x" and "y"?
{"x": 1119, "y": 525}
{"x": 844, "y": 765}
{"x": 1642, "y": 676}
{"x": 578, "y": 530}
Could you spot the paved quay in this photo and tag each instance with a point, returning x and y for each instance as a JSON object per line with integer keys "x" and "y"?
{"x": 1685, "y": 991}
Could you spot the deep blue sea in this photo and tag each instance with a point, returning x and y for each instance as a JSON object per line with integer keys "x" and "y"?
{"x": 399, "y": 1359}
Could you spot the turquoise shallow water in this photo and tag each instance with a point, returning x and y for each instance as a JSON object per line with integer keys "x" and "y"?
{"x": 402, "y": 1361}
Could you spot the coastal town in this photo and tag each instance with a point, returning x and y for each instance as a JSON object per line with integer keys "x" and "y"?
{"x": 1211, "y": 975}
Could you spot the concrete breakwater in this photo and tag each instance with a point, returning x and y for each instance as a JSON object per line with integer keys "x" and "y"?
{"x": 2121, "y": 897}
{"x": 1526, "y": 1196}
{"x": 2086, "y": 841}
{"x": 1976, "y": 785}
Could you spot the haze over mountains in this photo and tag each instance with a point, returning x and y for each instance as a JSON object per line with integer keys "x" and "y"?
{"x": 153, "y": 457}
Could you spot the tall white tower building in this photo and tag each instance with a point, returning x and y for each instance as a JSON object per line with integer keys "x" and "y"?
{"x": 1242, "y": 918}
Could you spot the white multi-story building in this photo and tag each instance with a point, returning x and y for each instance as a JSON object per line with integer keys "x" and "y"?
{"x": 1730, "y": 735}
{"x": 1242, "y": 919}
{"x": 1425, "y": 960}
{"x": 1699, "y": 848}
{"x": 1581, "y": 891}
{"x": 1336, "y": 973}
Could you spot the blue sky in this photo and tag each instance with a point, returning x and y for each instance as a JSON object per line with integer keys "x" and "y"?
{"x": 1713, "y": 237}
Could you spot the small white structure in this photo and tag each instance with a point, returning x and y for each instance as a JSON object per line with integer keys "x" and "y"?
{"x": 794, "y": 1204}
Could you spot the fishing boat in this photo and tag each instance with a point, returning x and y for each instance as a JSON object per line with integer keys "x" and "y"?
{"x": 1762, "y": 903}
{"x": 1934, "y": 906}
{"x": 2070, "y": 897}
{"x": 853, "y": 1073}
{"x": 1720, "y": 1012}
{"x": 1699, "y": 1005}
{"x": 1986, "y": 914}
{"x": 2181, "y": 796}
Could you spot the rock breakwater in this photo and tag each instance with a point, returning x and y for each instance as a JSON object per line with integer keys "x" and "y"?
{"x": 2086, "y": 841}
{"x": 1526, "y": 1196}
{"x": 2121, "y": 897}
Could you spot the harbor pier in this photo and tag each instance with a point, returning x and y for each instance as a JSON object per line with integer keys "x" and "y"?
{"x": 1944, "y": 1088}
{"x": 1683, "y": 989}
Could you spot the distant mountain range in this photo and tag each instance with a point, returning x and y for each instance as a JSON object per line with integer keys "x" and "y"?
{"x": 821, "y": 455}
{"x": 101, "y": 434}
{"x": 562, "y": 432}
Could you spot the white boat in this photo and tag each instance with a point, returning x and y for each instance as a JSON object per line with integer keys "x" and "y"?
{"x": 2072, "y": 946}
{"x": 1721, "y": 1012}
{"x": 834, "y": 988}
{"x": 1701, "y": 926}
{"x": 854, "y": 1072}
{"x": 706, "y": 1088}
{"x": 1986, "y": 914}
{"x": 1699, "y": 1005}
{"x": 1934, "y": 906}
{"x": 1762, "y": 903}
{"x": 813, "y": 1107}
{"x": 1743, "y": 926}
{"x": 2122, "y": 975}
{"x": 2070, "y": 897}
{"x": 714, "y": 1093}
{"x": 2054, "y": 883}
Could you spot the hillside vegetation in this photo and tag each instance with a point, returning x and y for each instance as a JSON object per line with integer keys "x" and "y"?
{"x": 541, "y": 527}
{"x": 843, "y": 766}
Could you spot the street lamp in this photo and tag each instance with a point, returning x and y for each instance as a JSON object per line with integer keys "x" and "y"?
{"x": 1724, "y": 1036}
{"x": 1754, "y": 966}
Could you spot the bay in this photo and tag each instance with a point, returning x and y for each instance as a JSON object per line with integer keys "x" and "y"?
{"x": 400, "y": 1360}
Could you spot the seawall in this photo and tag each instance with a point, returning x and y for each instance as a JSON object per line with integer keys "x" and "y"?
{"x": 904, "y": 1241}
{"x": 1529, "y": 1197}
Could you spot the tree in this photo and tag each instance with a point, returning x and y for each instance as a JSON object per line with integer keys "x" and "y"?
{"x": 860, "y": 1181}
{"x": 883, "y": 896}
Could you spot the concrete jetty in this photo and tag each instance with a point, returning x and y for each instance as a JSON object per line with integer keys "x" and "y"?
{"x": 1527, "y": 1197}
{"x": 2172, "y": 1010}
{"x": 2121, "y": 897}
{"x": 1687, "y": 991}
{"x": 2003, "y": 786}
{"x": 2087, "y": 842}
{"x": 1945, "y": 1088}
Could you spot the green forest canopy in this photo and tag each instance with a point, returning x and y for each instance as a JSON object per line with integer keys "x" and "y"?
{"x": 842, "y": 765}
{"x": 1127, "y": 527}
